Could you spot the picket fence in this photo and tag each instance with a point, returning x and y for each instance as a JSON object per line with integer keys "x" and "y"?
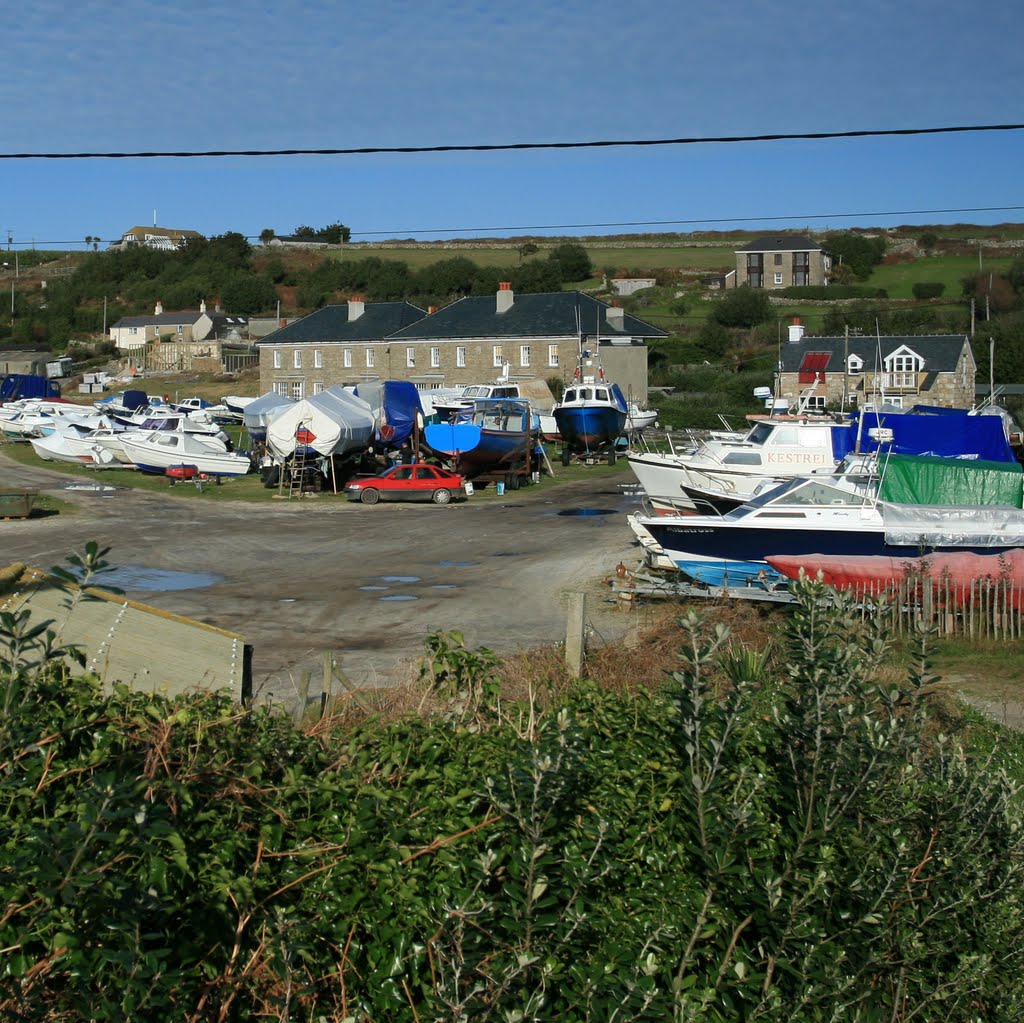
{"x": 983, "y": 609}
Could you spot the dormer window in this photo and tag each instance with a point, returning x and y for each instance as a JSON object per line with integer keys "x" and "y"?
{"x": 902, "y": 368}
{"x": 854, "y": 364}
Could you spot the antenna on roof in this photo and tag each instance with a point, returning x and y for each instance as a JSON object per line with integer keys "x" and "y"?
{"x": 154, "y": 217}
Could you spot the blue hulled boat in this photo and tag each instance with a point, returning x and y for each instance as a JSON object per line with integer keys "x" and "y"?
{"x": 590, "y": 418}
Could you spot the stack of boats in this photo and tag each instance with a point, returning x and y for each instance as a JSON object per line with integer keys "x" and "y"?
{"x": 865, "y": 501}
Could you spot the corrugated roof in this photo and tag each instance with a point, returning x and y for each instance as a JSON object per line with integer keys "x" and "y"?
{"x": 379, "y": 320}
{"x": 557, "y": 314}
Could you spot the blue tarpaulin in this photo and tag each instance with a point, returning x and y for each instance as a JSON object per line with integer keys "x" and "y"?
{"x": 950, "y": 433}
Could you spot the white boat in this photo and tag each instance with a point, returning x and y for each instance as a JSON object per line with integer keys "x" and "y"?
{"x": 451, "y": 405}
{"x": 156, "y": 451}
{"x": 721, "y": 473}
{"x": 916, "y": 506}
{"x": 66, "y": 446}
{"x": 638, "y": 419}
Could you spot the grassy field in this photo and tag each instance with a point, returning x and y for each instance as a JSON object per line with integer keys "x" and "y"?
{"x": 898, "y": 279}
{"x": 684, "y": 257}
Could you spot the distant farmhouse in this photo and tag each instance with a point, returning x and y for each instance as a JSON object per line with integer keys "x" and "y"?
{"x": 781, "y": 261}
{"x": 838, "y": 373}
{"x": 474, "y": 340}
{"x": 165, "y": 238}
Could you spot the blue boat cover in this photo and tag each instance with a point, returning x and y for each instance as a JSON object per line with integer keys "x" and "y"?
{"x": 395, "y": 404}
{"x": 950, "y": 433}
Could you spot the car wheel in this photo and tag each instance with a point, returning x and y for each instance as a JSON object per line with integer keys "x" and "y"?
{"x": 611, "y": 457}
{"x": 566, "y": 456}
{"x": 442, "y": 496}
{"x": 513, "y": 481}
{"x": 369, "y": 496}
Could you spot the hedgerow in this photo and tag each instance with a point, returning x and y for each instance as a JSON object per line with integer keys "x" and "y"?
{"x": 736, "y": 843}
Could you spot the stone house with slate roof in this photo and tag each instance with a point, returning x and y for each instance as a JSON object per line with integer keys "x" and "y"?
{"x": 781, "y": 261}
{"x": 836, "y": 373}
{"x": 338, "y": 344}
{"x": 474, "y": 340}
{"x": 184, "y": 326}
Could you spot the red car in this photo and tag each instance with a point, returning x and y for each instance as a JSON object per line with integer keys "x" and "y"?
{"x": 408, "y": 483}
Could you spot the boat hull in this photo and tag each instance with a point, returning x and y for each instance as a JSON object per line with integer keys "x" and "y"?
{"x": 587, "y": 429}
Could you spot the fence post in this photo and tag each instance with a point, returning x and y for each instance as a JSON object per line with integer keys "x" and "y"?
{"x": 574, "y": 634}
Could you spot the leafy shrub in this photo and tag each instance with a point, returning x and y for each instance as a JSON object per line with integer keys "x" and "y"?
{"x": 928, "y": 289}
{"x": 762, "y": 837}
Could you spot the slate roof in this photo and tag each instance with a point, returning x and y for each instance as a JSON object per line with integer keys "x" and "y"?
{"x": 160, "y": 320}
{"x": 557, "y": 314}
{"x": 331, "y": 323}
{"x": 940, "y": 352}
{"x": 782, "y": 243}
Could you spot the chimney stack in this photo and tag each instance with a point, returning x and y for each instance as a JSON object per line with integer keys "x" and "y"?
{"x": 505, "y": 297}
{"x": 796, "y": 330}
{"x": 356, "y": 307}
{"x": 616, "y": 317}
{"x": 202, "y": 306}
{"x": 159, "y": 311}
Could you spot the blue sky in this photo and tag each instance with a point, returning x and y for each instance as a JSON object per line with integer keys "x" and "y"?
{"x": 184, "y": 76}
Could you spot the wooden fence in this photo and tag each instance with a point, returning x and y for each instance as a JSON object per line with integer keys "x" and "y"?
{"x": 984, "y": 609}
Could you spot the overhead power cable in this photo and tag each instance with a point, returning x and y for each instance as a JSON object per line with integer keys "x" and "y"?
{"x": 800, "y": 218}
{"x": 512, "y": 146}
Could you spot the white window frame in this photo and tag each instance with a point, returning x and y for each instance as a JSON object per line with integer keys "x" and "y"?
{"x": 278, "y": 360}
{"x": 297, "y": 359}
{"x": 346, "y": 358}
{"x": 553, "y": 355}
{"x": 371, "y": 358}
{"x": 524, "y": 356}
{"x": 319, "y": 387}
{"x": 410, "y": 358}
{"x": 778, "y": 278}
{"x": 496, "y": 356}
{"x": 281, "y": 388}
{"x": 296, "y": 390}
{"x": 318, "y": 359}
{"x": 460, "y": 356}
{"x": 435, "y": 357}
{"x": 855, "y": 364}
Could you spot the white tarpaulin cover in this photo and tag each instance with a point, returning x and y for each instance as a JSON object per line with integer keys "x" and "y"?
{"x": 953, "y": 525}
{"x": 335, "y": 421}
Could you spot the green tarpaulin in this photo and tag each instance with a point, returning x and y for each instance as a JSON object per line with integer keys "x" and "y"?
{"x": 923, "y": 479}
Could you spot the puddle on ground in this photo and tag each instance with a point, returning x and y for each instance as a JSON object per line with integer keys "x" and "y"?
{"x": 587, "y": 511}
{"x": 399, "y": 578}
{"x": 456, "y": 564}
{"x": 444, "y": 586}
{"x": 373, "y": 587}
{"x": 286, "y": 600}
{"x": 507, "y": 554}
{"x": 400, "y": 596}
{"x": 92, "y": 488}
{"x": 140, "y": 577}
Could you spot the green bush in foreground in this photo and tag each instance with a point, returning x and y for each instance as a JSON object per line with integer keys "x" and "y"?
{"x": 721, "y": 848}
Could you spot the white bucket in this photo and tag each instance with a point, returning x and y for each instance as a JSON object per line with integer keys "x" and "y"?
{"x": 500, "y": 486}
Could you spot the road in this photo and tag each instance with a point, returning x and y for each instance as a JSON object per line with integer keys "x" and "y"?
{"x": 303, "y": 576}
